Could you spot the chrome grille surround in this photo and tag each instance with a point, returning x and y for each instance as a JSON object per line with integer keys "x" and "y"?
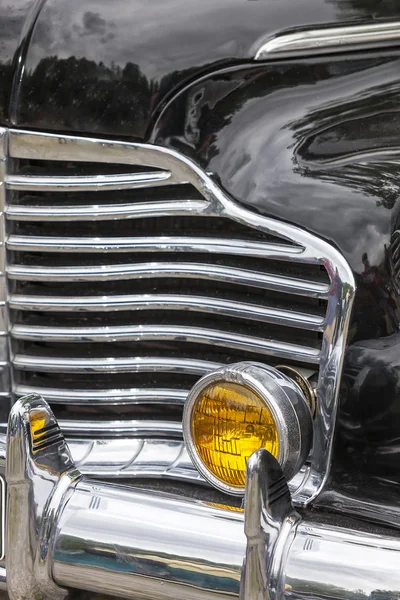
{"x": 141, "y": 456}
{"x": 394, "y": 259}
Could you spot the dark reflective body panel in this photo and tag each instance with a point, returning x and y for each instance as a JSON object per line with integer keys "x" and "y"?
{"x": 310, "y": 141}
{"x": 315, "y": 142}
{"x": 108, "y": 67}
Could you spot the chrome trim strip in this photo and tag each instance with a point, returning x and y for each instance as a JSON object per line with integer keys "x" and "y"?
{"x": 134, "y": 428}
{"x": 138, "y": 333}
{"x": 203, "y": 304}
{"x": 153, "y": 244}
{"x": 103, "y": 396}
{"x": 3, "y": 521}
{"x": 106, "y": 212}
{"x": 194, "y": 541}
{"x": 211, "y": 272}
{"x": 55, "y": 183}
{"x": 312, "y": 42}
{"x": 140, "y": 364}
{"x": 162, "y": 546}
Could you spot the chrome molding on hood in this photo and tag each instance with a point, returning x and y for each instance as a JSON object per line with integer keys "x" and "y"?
{"x": 313, "y": 42}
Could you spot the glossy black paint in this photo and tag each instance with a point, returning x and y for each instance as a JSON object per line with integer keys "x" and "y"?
{"x": 312, "y": 142}
{"x": 315, "y": 142}
{"x": 101, "y": 66}
{"x": 14, "y": 17}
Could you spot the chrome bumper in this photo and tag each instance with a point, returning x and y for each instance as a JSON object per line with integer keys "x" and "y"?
{"x": 65, "y": 531}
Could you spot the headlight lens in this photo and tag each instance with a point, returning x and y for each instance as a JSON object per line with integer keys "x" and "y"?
{"x": 230, "y": 422}
{"x": 234, "y": 411}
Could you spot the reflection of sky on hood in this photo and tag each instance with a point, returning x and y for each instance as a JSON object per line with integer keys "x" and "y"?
{"x": 167, "y": 30}
{"x": 159, "y": 33}
{"x": 12, "y": 19}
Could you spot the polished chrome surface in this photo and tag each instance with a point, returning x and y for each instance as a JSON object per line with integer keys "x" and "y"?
{"x": 152, "y": 270}
{"x": 140, "y": 364}
{"x": 230, "y": 308}
{"x": 105, "y": 212}
{"x": 286, "y": 402}
{"x": 139, "y": 427}
{"x": 269, "y": 522}
{"x": 287, "y": 557}
{"x": 96, "y": 397}
{"x": 135, "y": 333}
{"x": 117, "y": 540}
{"x": 256, "y": 288}
{"x": 341, "y": 563}
{"x": 135, "y": 544}
{"x": 2, "y": 518}
{"x": 39, "y": 474}
{"x": 94, "y": 183}
{"x": 308, "y": 42}
{"x": 151, "y": 244}
{"x": 5, "y": 375}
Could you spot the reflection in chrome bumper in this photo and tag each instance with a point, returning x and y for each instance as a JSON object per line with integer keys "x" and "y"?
{"x": 67, "y": 531}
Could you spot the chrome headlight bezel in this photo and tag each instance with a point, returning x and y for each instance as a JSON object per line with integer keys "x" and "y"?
{"x": 284, "y": 399}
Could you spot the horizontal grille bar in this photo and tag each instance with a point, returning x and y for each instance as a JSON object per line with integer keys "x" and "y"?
{"x": 152, "y": 244}
{"x": 170, "y": 333}
{"x": 88, "y": 183}
{"x": 106, "y": 212}
{"x": 216, "y": 306}
{"x": 142, "y": 428}
{"x": 211, "y": 272}
{"x": 104, "y": 396}
{"x": 142, "y": 364}
{"x": 136, "y": 457}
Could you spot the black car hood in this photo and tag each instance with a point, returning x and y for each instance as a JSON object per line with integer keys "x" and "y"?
{"x": 106, "y": 66}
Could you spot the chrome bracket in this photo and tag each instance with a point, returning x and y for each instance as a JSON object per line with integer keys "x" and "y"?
{"x": 270, "y": 525}
{"x": 40, "y": 475}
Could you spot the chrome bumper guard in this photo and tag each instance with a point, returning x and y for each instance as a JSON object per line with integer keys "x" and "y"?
{"x": 66, "y": 531}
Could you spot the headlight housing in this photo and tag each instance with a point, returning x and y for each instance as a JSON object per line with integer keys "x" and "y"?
{"x": 238, "y": 409}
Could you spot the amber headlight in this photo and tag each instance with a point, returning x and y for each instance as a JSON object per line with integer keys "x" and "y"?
{"x": 238, "y": 409}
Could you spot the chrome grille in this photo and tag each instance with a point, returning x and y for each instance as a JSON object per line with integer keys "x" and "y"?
{"x": 130, "y": 274}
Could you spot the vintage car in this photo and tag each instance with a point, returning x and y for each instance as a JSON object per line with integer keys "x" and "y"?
{"x": 199, "y": 299}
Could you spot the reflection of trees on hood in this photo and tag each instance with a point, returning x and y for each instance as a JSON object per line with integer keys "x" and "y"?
{"x": 6, "y": 73}
{"x": 93, "y": 94}
{"x": 80, "y": 94}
